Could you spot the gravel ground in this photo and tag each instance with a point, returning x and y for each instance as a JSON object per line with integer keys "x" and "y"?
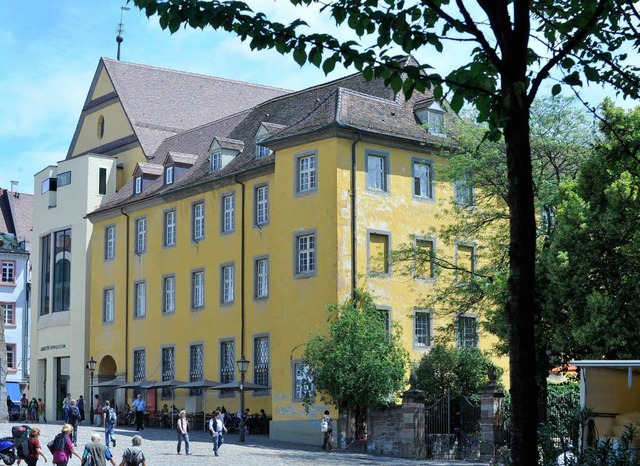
{"x": 159, "y": 446}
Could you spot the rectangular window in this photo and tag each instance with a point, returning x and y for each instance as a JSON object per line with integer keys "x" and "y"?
{"x": 198, "y": 221}
{"x": 261, "y": 361}
{"x": 102, "y": 181}
{"x": 228, "y": 213}
{"x": 8, "y": 272}
{"x": 196, "y": 367}
{"x": 305, "y": 254}
{"x": 168, "y": 368}
{"x": 169, "y": 294}
{"x": 47, "y": 185}
{"x": 141, "y": 235}
{"x": 385, "y": 319}
{"x": 107, "y": 305}
{"x": 423, "y": 179}
{"x": 227, "y": 273}
{"x": 63, "y": 179}
{"x": 170, "y": 228}
{"x": 377, "y": 169}
{"x": 227, "y": 362}
{"x": 11, "y": 357}
{"x": 467, "y": 332}
{"x": 140, "y": 299}
{"x": 465, "y": 263}
{"x": 306, "y": 175}
{"x": 216, "y": 161}
{"x": 261, "y": 278}
{"x": 261, "y": 205}
{"x": 197, "y": 289}
{"x": 463, "y": 193}
{"x": 137, "y": 185}
{"x": 303, "y": 388}
{"x": 8, "y": 311}
{"x": 45, "y": 274}
{"x": 139, "y": 365}
{"x": 262, "y": 151}
{"x": 61, "y": 270}
{"x": 168, "y": 175}
{"x": 110, "y": 242}
{"x": 425, "y": 259}
{"x": 422, "y": 329}
{"x": 436, "y": 122}
{"x": 379, "y": 260}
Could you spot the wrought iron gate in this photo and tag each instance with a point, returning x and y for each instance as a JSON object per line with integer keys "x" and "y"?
{"x": 452, "y": 429}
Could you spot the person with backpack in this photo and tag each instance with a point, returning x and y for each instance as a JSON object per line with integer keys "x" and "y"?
{"x": 110, "y": 419}
{"x": 133, "y": 455}
{"x": 33, "y": 448}
{"x": 62, "y": 448}
{"x": 96, "y": 453}
{"x": 73, "y": 416}
{"x": 327, "y": 431}
{"x": 217, "y": 429}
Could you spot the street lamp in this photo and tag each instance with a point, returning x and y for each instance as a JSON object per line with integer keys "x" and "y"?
{"x": 91, "y": 365}
{"x": 243, "y": 365}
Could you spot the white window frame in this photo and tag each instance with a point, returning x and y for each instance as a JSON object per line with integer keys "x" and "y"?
{"x": 11, "y": 356}
{"x": 108, "y": 303}
{"x": 141, "y": 235}
{"x": 140, "y": 299}
{"x": 422, "y": 330}
{"x": 216, "y": 161}
{"x": 423, "y": 186}
{"x": 8, "y": 309}
{"x": 262, "y": 151}
{"x": 197, "y": 289}
{"x": 300, "y": 376}
{"x": 9, "y": 271}
{"x": 110, "y": 242}
{"x": 169, "y": 294}
{"x": 168, "y": 175}
{"x": 305, "y": 247}
{"x": 137, "y": 185}
{"x": 170, "y": 228}
{"x": 464, "y": 194}
{"x": 228, "y": 213}
{"x": 227, "y": 282}
{"x": 377, "y": 168}
{"x": 306, "y": 173}
{"x": 463, "y": 339}
{"x": 198, "y": 221}
{"x": 261, "y": 278}
{"x": 261, "y": 205}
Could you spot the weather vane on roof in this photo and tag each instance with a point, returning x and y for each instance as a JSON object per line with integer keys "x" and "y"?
{"x": 120, "y": 29}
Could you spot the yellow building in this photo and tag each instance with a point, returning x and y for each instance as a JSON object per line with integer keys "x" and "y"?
{"x": 235, "y": 236}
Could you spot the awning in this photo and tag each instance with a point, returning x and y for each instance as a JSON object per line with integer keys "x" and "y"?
{"x": 13, "y": 390}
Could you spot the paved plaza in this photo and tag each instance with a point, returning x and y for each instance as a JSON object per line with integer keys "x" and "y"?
{"x": 159, "y": 446}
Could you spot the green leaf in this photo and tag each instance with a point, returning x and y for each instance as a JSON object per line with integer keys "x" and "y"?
{"x": 567, "y": 63}
{"x": 396, "y": 83}
{"x": 300, "y": 56}
{"x": 556, "y": 89}
{"x": 457, "y": 101}
{"x": 591, "y": 74}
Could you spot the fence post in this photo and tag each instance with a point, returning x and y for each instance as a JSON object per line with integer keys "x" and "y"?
{"x": 489, "y": 407}
{"x": 413, "y": 441}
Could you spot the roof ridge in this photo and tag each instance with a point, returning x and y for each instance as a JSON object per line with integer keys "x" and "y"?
{"x": 346, "y": 90}
{"x": 191, "y": 73}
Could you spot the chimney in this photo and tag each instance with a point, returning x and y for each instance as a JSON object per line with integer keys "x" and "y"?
{"x": 14, "y": 186}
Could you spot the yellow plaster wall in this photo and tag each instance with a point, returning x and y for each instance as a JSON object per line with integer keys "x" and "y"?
{"x": 116, "y": 126}
{"x": 103, "y": 85}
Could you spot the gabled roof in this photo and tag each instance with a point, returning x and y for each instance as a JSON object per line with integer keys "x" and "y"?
{"x": 180, "y": 158}
{"x": 161, "y": 103}
{"x": 231, "y": 144}
{"x": 16, "y": 214}
{"x": 148, "y": 169}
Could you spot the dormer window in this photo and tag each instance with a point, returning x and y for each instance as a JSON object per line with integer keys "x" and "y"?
{"x": 137, "y": 185}
{"x": 432, "y": 117}
{"x": 262, "y": 151}
{"x": 216, "y": 161}
{"x": 168, "y": 175}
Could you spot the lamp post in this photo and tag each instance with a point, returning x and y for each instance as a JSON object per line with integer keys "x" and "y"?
{"x": 243, "y": 365}
{"x": 91, "y": 365}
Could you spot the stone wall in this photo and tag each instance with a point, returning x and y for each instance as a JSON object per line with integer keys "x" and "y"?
{"x": 385, "y": 431}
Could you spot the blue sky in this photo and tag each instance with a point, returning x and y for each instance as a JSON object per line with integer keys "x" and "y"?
{"x": 49, "y": 51}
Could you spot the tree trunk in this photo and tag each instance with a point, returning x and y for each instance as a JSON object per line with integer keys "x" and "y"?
{"x": 521, "y": 290}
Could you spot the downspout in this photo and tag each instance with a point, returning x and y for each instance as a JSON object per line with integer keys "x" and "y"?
{"x": 126, "y": 299}
{"x": 354, "y": 275}
{"x": 242, "y": 253}
{"x": 26, "y": 311}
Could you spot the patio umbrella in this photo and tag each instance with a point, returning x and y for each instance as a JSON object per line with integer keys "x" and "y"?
{"x": 113, "y": 383}
{"x": 236, "y": 386}
{"x": 142, "y": 384}
{"x": 203, "y": 384}
{"x": 171, "y": 384}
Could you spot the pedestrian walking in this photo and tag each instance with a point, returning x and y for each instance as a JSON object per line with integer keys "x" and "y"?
{"x": 133, "y": 455}
{"x": 65, "y": 407}
{"x": 139, "y": 406}
{"x": 327, "y": 431}
{"x": 63, "y": 447}
{"x": 41, "y": 412}
{"x": 110, "y": 418}
{"x": 217, "y": 430}
{"x": 81, "y": 407}
{"x": 34, "y": 448}
{"x": 74, "y": 420}
{"x": 97, "y": 413}
{"x": 98, "y": 451}
{"x": 182, "y": 429}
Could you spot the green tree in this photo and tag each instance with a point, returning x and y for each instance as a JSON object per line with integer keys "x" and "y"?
{"x": 579, "y": 40}
{"x": 358, "y": 364}
{"x": 592, "y": 267}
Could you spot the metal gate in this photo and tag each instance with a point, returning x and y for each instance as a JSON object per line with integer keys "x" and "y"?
{"x": 452, "y": 429}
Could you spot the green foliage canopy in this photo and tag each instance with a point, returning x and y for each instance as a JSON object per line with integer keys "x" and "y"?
{"x": 358, "y": 362}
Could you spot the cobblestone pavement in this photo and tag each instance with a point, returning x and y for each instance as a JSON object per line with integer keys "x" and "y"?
{"x": 159, "y": 446}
